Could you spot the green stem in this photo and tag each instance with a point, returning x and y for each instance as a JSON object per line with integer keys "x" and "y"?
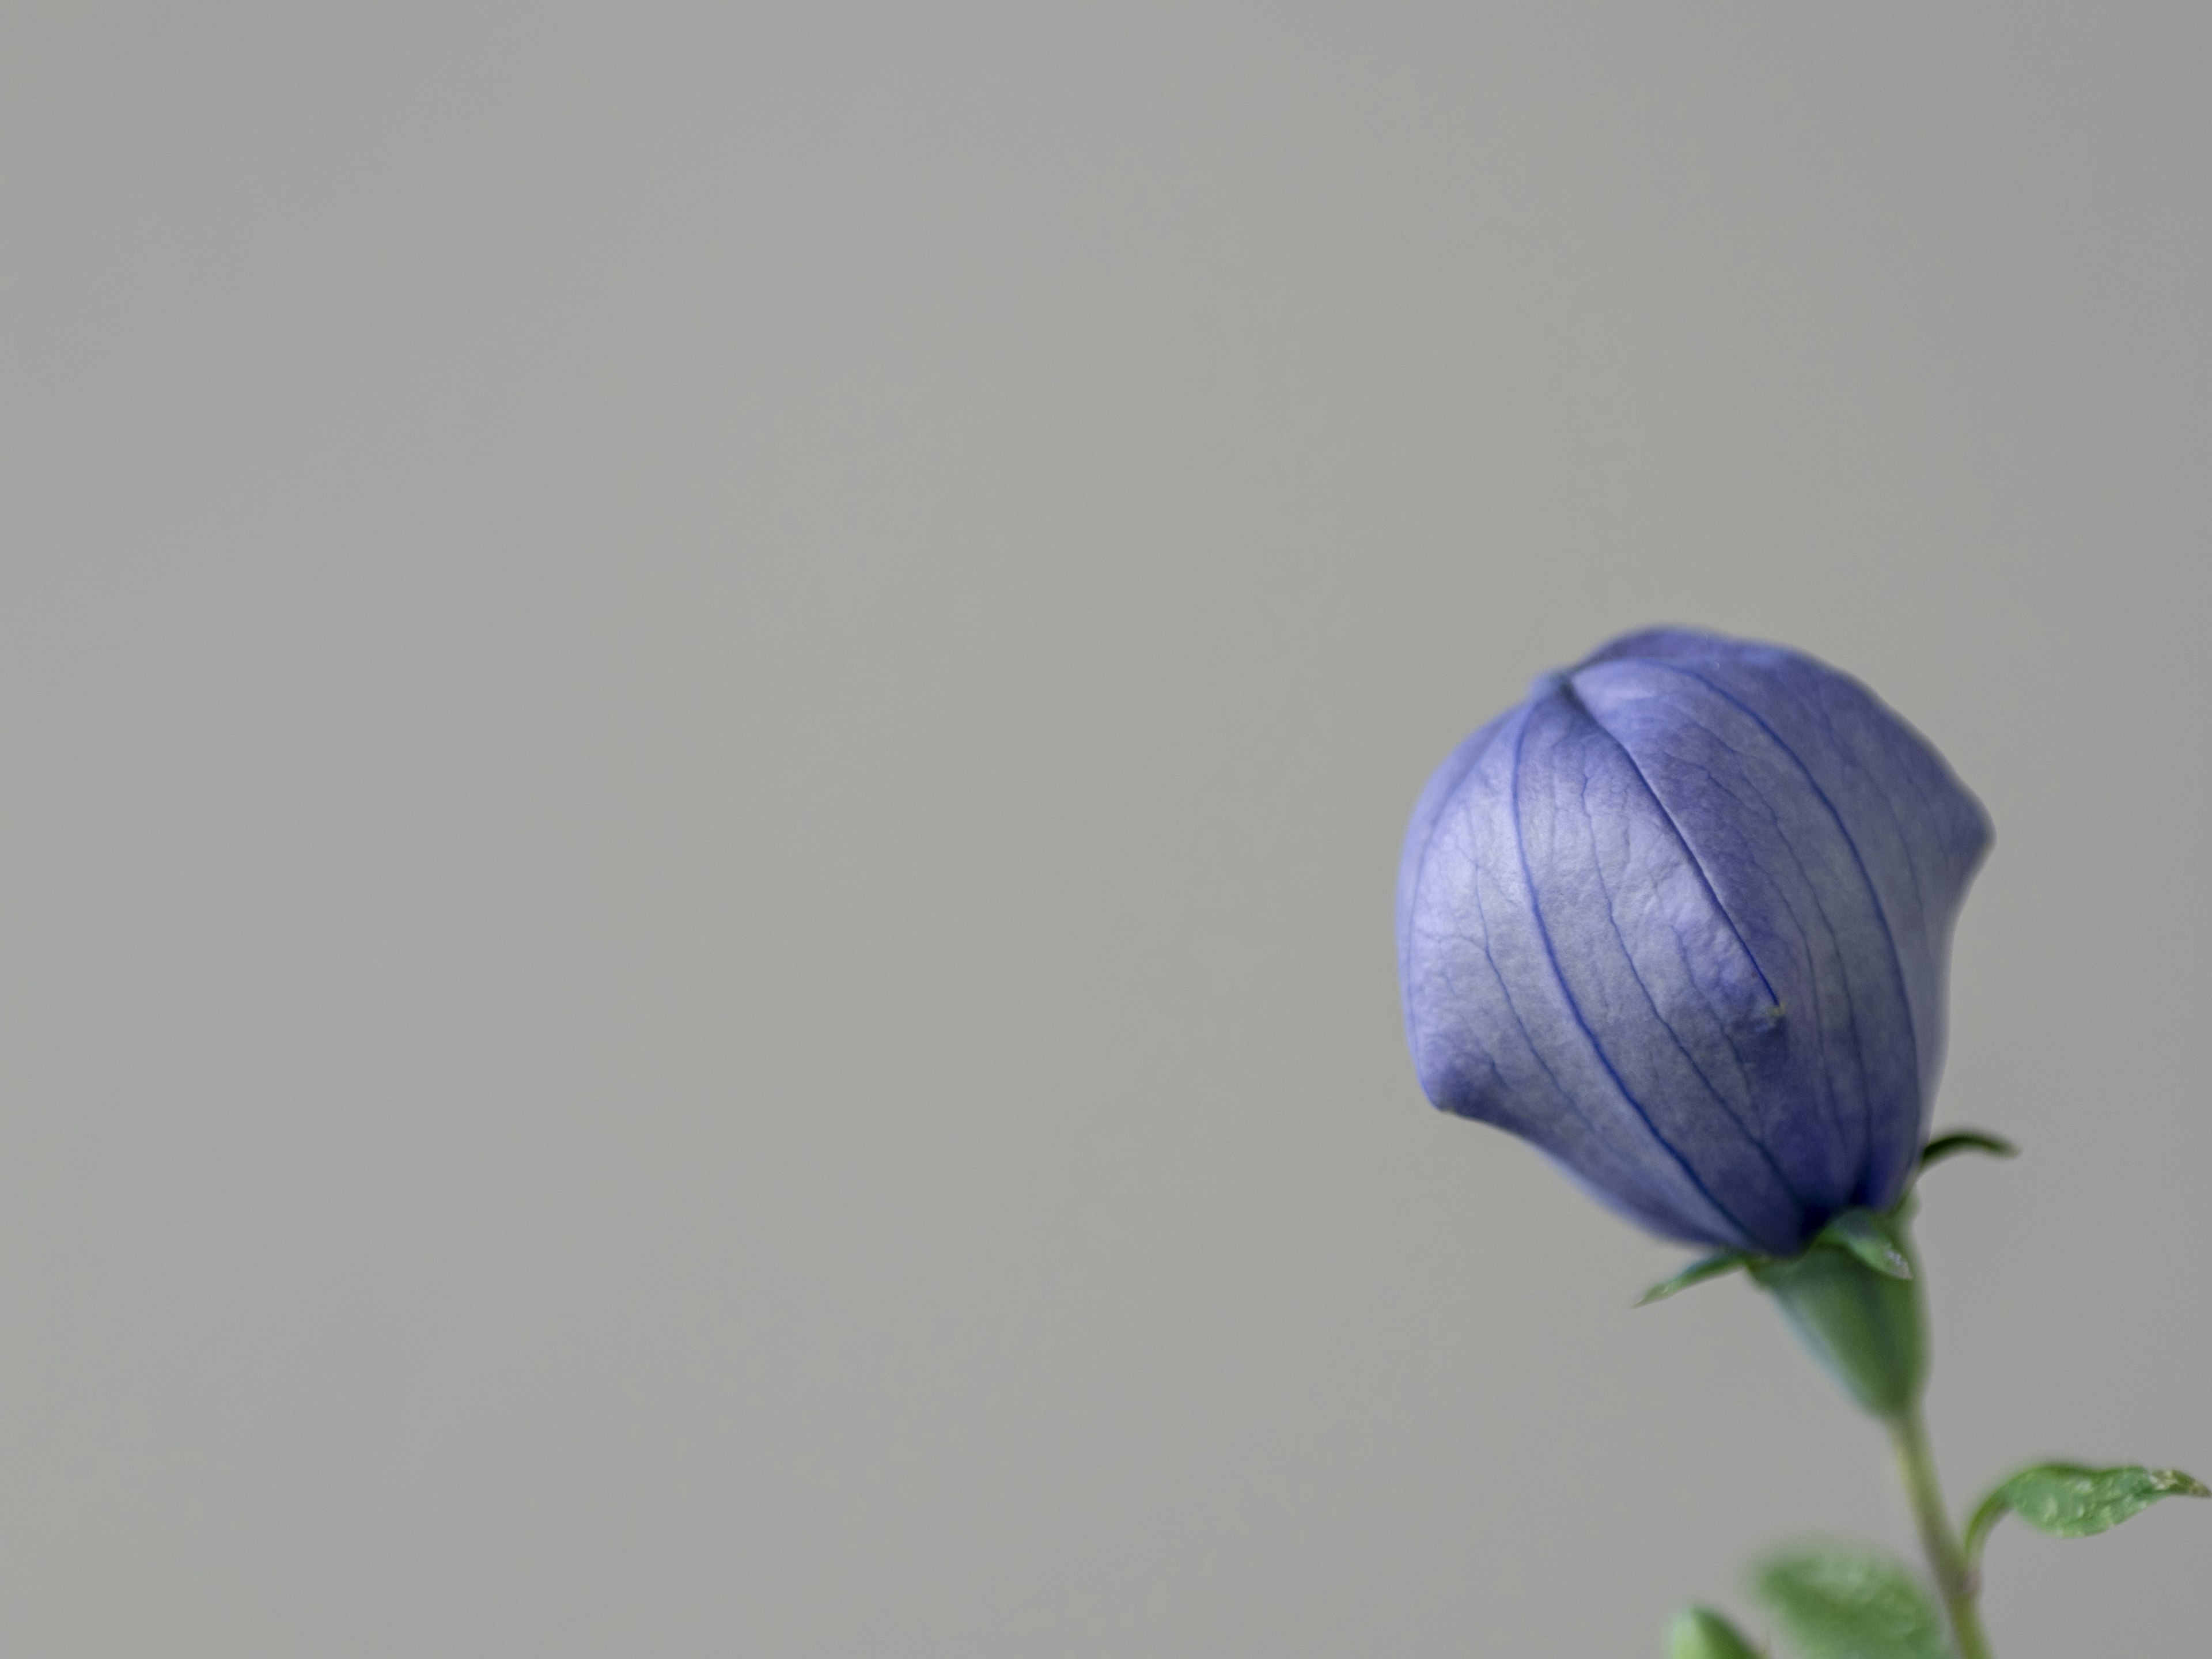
{"x": 1955, "y": 1580}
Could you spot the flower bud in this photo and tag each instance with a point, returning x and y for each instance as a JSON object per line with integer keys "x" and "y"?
{"x": 1682, "y": 919}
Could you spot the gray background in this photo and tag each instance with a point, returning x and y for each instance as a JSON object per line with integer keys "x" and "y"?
{"x": 705, "y": 713}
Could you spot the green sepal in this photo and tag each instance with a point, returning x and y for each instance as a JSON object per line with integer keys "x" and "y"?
{"x": 1966, "y": 1140}
{"x": 1869, "y": 1237}
{"x": 2068, "y": 1501}
{"x": 1851, "y": 1604}
{"x": 1701, "y": 1633}
{"x": 1855, "y": 1316}
{"x": 1728, "y": 1262}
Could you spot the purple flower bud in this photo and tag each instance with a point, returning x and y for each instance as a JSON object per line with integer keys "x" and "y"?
{"x": 1682, "y": 920}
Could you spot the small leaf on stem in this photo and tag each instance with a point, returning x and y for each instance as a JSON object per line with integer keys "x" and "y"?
{"x": 1851, "y": 1604}
{"x": 1701, "y": 1633}
{"x": 2068, "y": 1501}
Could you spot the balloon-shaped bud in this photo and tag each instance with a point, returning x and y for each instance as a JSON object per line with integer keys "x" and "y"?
{"x": 1682, "y": 919}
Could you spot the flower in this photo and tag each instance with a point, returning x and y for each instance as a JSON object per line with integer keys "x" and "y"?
{"x": 1682, "y": 920}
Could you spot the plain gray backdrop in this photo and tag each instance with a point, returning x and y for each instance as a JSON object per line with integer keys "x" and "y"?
{"x": 705, "y": 711}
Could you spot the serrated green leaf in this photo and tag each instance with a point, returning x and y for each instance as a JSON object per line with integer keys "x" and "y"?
{"x": 1701, "y": 1633}
{"x": 1697, "y": 1272}
{"x": 1966, "y": 1140}
{"x": 2068, "y": 1501}
{"x": 1867, "y": 1237}
{"x": 1851, "y": 1604}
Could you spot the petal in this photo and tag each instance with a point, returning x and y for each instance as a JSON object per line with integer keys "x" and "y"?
{"x": 1666, "y": 994}
{"x": 1421, "y": 830}
{"x": 1838, "y": 842}
{"x": 1495, "y": 1032}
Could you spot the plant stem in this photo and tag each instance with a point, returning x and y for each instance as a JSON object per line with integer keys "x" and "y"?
{"x": 1955, "y": 1580}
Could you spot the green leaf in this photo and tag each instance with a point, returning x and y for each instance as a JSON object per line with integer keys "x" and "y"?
{"x": 1697, "y": 1272}
{"x": 2068, "y": 1501}
{"x": 1966, "y": 1140}
{"x": 1850, "y": 1604}
{"x": 1867, "y": 1237}
{"x": 1701, "y": 1633}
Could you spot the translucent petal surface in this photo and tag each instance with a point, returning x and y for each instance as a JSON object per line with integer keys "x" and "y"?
{"x": 1681, "y": 919}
